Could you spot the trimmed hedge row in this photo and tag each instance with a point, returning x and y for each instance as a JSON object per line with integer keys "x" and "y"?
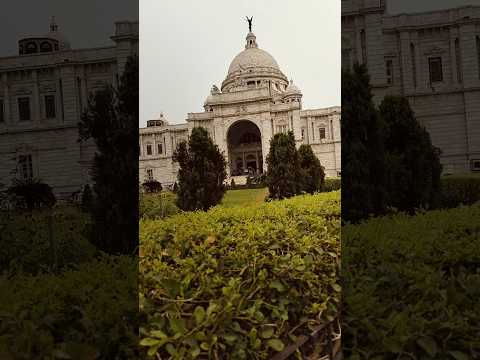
{"x": 411, "y": 286}
{"x": 239, "y": 283}
{"x": 88, "y": 312}
{"x": 332, "y": 184}
{"x": 458, "y": 190}
{"x": 29, "y": 244}
{"x": 158, "y": 206}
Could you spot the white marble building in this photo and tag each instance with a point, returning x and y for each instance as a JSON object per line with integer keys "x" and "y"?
{"x": 255, "y": 101}
{"x": 43, "y": 91}
{"x": 432, "y": 58}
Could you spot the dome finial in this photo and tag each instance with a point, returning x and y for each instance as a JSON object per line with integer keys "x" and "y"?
{"x": 53, "y": 24}
{"x": 249, "y": 23}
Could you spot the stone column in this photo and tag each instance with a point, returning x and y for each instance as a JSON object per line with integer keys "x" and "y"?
{"x": 36, "y": 98}
{"x": 6, "y": 98}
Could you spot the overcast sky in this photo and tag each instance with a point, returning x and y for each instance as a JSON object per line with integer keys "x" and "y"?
{"x": 86, "y": 23}
{"x": 186, "y": 46}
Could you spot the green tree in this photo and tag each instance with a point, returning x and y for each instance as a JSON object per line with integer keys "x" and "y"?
{"x": 111, "y": 120}
{"x": 283, "y": 167}
{"x": 412, "y": 163}
{"x": 202, "y": 172}
{"x": 31, "y": 194}
{"x": 87, "y": 199}
{"x": 312, "y": 174}
{"x": 363, "y": 163}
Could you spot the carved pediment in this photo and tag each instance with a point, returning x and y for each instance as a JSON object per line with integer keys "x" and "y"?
{"x": 23, "y": 91}
{"x": 47, "y": 88}
{"x": 434, "y": 50}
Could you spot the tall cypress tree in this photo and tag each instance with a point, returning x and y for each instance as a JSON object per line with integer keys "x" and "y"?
{"x": 283, "y": 167}
{"x": 413, "y": 166}
{"x": 202, "y": 172}
{"x": 363, "y": 162}
{"x": 312, "y": 174}
{"x": 111, "y": 120}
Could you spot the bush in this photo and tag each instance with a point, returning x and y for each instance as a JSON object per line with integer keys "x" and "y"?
{"x": 459, "y": 190}
{"x": 312, "y": 173}
{"x": 89, "y": 312}
{"x": 32, "y": 194}
{"x": 411, "y": 286}
{"x": 332, "y": 184}
{"x": 363, "y": 162}
{"x": 242, "y": 281}
{"x": 87, "y": 199}
{"x": 283, "y": 163}
{"x": 26, "y": 240}
{"x": 152, "y": 186}
{"x": 157, "y": 206}
{"x": 412, "y": 162}
{"x": 202, "y": 172}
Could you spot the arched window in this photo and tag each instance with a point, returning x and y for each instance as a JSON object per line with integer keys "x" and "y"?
{"x": 414, "y": 64}
{"x": 149, "y": 149}
{"x": 31, "y": 48}
{"x": 46, "y": 47}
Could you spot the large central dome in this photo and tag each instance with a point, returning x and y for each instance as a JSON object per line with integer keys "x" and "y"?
{"x": 252, "y": 58}
{"x": 253, "y": 67}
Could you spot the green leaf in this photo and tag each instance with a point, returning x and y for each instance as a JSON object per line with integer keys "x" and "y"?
{"x": 204, "y": 346}
{"x": 277, "y": 285}
{"x": 150, "y": 342}
{"x": 458, "y": 355}
{"x": 177, "y": 326}
{"x": 276, "y": 344}
{"x": 171, "y": 349}
{"x": 199, "y": 314}
{"x": 429, "y": 345}
{"x": 159, "y": 334}
{"x": 337, "y": 287}
{"x": 267, "y": 333}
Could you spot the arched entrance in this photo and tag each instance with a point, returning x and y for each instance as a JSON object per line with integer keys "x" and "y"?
{"x": 245, "y": 148}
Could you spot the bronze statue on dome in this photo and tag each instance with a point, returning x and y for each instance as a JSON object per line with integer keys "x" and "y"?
{"x": 249, "y": 23}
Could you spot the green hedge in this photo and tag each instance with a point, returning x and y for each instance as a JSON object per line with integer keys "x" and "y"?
{"x": 26, "y": 241}
{"x": 332, "y": 184}
{"x": 243, "y": 281}
{"x": 411, "y": 285}
{"x": 157, "y": 206}
{"x": 89, "y": 312}
{"x": 458, "y": 190}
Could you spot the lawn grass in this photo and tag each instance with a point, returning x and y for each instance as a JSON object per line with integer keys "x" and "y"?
{"x": 243, "y": 197}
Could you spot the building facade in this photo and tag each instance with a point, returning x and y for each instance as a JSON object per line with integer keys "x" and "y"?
{"x": 433, "y": 59}
{"x": 43, "y": 92}
{"x": 255, "y": 101}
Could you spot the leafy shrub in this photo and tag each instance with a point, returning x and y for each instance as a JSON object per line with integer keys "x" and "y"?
{"x": 157, "y": 206}
{"x": 202, "y": 172}
{"x": 457, "y": 190}
{"x": 411, "y": 286}
{"x": 312, "y": 173}
{"x": 412, "y": 167}
{"x": 89, "y": 312}
{"x": 32, "y": 241}
{"x": 332, "y": 184}
{"x": 283, "y": 163}
{"x": 242, "y": 282}
{"x": 87, "y": 199}
{"x": 32, "y": 194}
{"x": 363, "y": 159}
{"x": 152, "y": 186}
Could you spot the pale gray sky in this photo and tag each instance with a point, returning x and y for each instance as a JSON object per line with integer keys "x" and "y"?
{"x": 186, "y": 46}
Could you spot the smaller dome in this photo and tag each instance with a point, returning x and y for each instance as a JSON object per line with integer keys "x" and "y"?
{"x": 292, "y": 89}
